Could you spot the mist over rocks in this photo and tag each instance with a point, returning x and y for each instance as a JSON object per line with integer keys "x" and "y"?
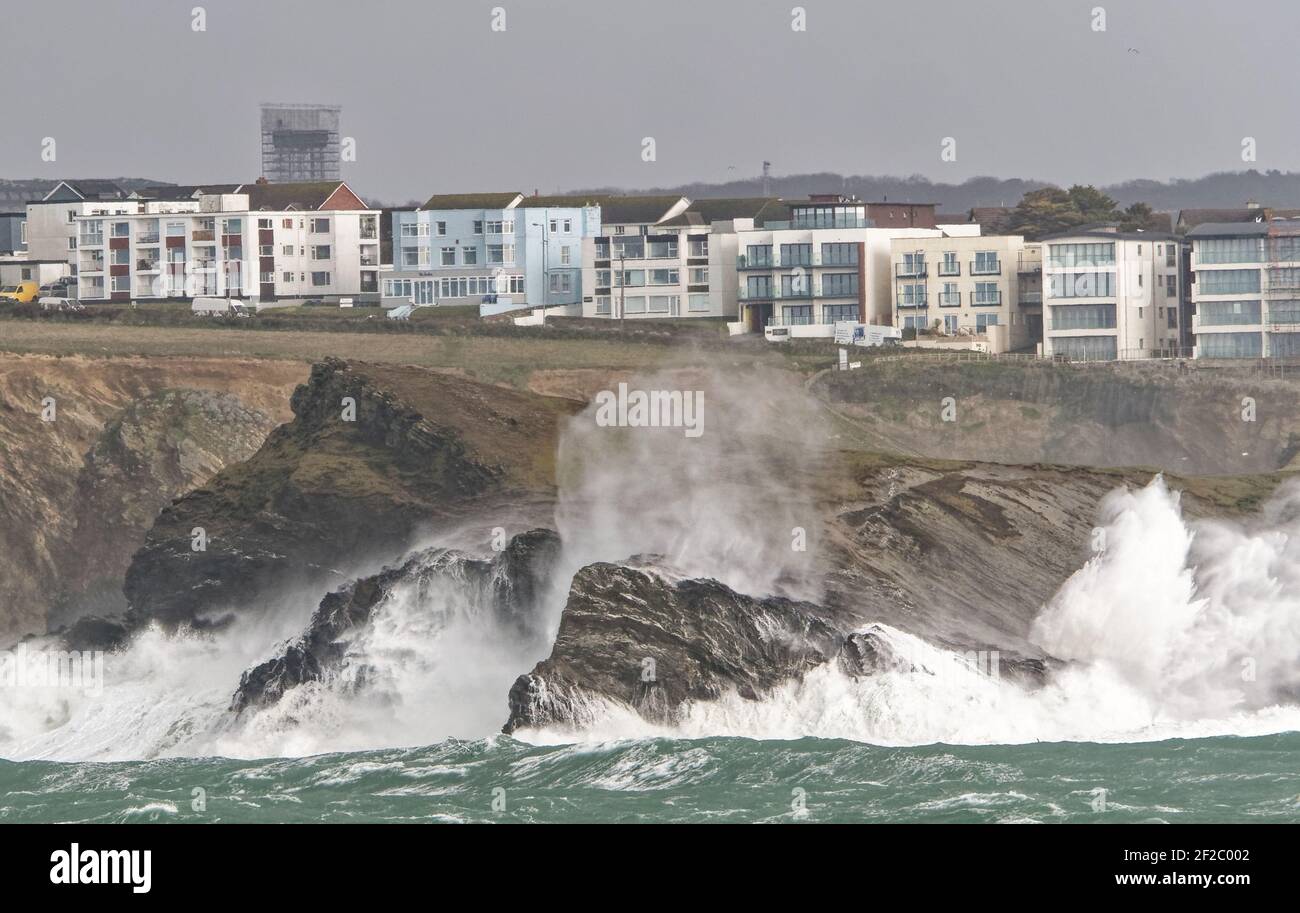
{"x": 506, "y": 590}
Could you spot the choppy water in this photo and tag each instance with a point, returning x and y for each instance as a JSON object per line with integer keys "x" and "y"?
{"x": 664, "y": 780}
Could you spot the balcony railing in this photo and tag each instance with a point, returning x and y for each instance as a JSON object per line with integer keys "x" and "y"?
{"x": 950, "y": 299}
{"x": 985, "y": 269}
{"x": 949, "y": 269}
{"x": 146, "y": 266}
{"x": 1030, "y": 297}
{"x": 1029, "y": 265}
{"x": 917, "y": 301}
{"x": 910, "y": 270}
{"x": 986, "y": 300}
{"x": 90, "y": 240}
{"x": 204, "y": 235}
{"x": 147, "y": 238}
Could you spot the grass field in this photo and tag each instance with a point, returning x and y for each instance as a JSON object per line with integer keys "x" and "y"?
{"x": 490, "y": 358}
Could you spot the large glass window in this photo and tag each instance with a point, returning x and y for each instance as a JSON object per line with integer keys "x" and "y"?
{"x": 1082, "y": 285}
{"x": 839, "y": 254}
{"x": 1083, "y": 317}
{"x": 839, "y": 284}
{"x": 1086, "y": 348}
{"x": 1282, "y": 345}
{"x": 1068, "y": 255}
{"x": 1229, "y": 345}
{"x": 797, "y": 315}
{"x": 832, "y": 313}
{"x": 1226, "y": 313}
{"x": 796, "y": 255}
{"x": 1229, "y": 250}
{"x": 1227, "y": 281}
{"x": 758, "y": 255}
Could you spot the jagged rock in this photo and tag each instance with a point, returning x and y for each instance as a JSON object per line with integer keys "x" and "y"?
{"x": 509, "y": 586}
{"x": 634, "y": 637}
{"x": 324, "y": 492}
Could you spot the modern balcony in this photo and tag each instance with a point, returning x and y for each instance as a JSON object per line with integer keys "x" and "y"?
{"x": 90, "y": 240}
{"x": 1029, "y": 265}
{"x": 745, "y": 262}
{"x": 911, "y": 270}
{"x": 948, "y": 269}
{"x": 207, "y": 234}
{"x": 146, "y": 266}
{"x": 147, "y": 238}
{"x": 950, "y": 299}
{"x": 986, "y": 269}
{"x": 1024, "y": 298}
{"x": 917, "y": 301}
{"x": 986, "y": 300}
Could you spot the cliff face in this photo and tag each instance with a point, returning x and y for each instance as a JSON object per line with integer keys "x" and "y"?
{"x": 1188, "y": 422}
{"x": 78, "y": 493}
{"x": 374, "y": 456}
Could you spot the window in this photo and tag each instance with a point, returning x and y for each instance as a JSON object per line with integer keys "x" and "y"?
{"x": 602, "y": 304}
{"x": 699, "y": 275}
{"x": 469, "y": 255}
{"x": 478, "y": 226}
{"x": 265, "y": 223}
{"x": 554, "y": 226}
{"x": 832, "y": 313}
{"x": 320, "y": 252}
{"x": 603, "y": 278}
{"x": 288, "y": 277}
{"x": 602, "y": 248}
{"x": 320, "y": 279}
{"x": 1083, "y": 317}
{"x": 120, "y": 257}
{"x": 797, "y": 315}
{"x": 697, "y": 302}
{"x": 839, "y": 254}
{"x": 665, "y": 277}
{"x": 447, "y": 256}
{"x": 122, "y": 284}
{"x": 121, "y": 229}
{"x": 758, "y": 255}
{"x": 500, "y": 253}
{"x": 1229, "y": 345}
{"x": 234, "y": 226}
{"x": 634, "y": 304}
{"x": 565, "y": 255}
{"x": 986, "y": 263}
{"x": 267, "y": 250}
{"x": 320, "y": 226}
{"x": 1082, "y": 285}
{"x": 796, "y": 255}
{"x": 1173, "y": 319}
{"x": 441, "y": 229}
{"x": 629, "y": 248}
{"x": 633, "y": 277}
{"x": 949, "y": 297}
{"x": 410, "y": 257}
{"x": 1171, "y": 286}
{"x": 286, "y": 250}
{"x": 561, "y": 282}
{"x": 984, "y": 321}
{"x": 1226, "y": 313}
{"x": 286, "y": 223}
{"x": 950, "y": 265}
{"x": 1227, "y": 281}
{"x": 566, "y": 226}
{"x": 1086, "y": 348}
{"x": 1171, "y": 255}
{"x": 1070, "y": 255}
{"x": 697, "y": 246}
{"x": 662, "y": 304}
{"x": 839, "y": 284}
{"x": 986, "y": 293}
{"x": 516, "y": 285}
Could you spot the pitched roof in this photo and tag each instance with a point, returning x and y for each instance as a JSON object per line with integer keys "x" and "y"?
{"x": 91, "y": 189}
{"x": 1190, "y": 218}
{"x": 706, "y": 212}
{"x": 304, "y": 195}
{"x": 182, "y": 191}
{"x": 615, "y": 208}
{"x": 1228, "y": 229}
{"x": 502, "y": 200}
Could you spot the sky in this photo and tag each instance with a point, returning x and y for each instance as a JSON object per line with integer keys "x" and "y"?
{"x": 437, "y": 101}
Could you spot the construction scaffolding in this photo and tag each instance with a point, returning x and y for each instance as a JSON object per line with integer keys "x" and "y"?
{"x": 300, "y": 142}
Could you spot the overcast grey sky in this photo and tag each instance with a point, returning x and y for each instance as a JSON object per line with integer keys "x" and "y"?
{"x": 438, "y": 102}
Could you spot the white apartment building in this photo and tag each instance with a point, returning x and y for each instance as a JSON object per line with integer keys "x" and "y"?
{"x": 267, "y": 242}
{"x": 828, "y": 262}
{"x": 962, "y": 286}
{"x": 682, "y": 264}
{"x": 1246, "y": 289}
{"x": 1111, "y": 295}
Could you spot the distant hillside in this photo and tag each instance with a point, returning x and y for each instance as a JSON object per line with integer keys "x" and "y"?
{"x": 1223, "y": 189}
{"x": 15, "y": 194}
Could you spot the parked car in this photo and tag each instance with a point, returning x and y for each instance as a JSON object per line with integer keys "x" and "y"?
{"x": 60, "y": 303}
{"x": 56, "y": 289}
{"x": 22, "y": 292}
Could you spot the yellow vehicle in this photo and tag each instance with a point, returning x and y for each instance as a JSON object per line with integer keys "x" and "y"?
{"x": 22, "y": 292}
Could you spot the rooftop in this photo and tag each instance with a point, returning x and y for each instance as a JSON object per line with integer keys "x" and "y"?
{"x": 706, "y": 212}
{"x": 491, "y": 200}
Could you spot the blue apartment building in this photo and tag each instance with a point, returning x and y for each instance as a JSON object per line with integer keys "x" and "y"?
{"x": 496, "y": 251}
